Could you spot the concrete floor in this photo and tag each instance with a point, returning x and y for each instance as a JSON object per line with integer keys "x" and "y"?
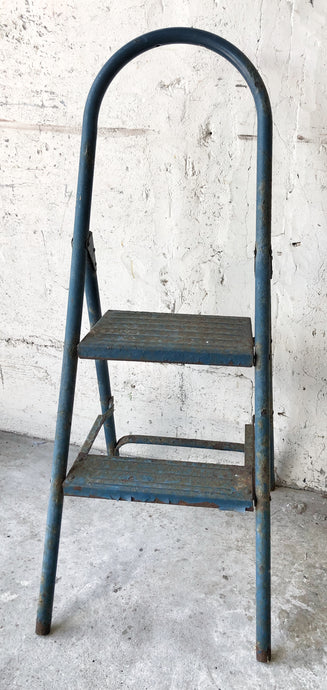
{"x": 155, "y": 597}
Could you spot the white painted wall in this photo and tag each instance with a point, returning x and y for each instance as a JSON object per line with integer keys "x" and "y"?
{"x": 173, "y": 216}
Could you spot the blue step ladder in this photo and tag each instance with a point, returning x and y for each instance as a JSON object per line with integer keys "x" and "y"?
{"x": 161, "y": 337}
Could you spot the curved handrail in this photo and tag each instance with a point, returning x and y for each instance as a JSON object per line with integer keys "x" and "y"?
{"x": 168, "y": 36}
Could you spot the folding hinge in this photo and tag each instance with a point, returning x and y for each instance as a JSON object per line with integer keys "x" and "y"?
{"x": 270, "y": 261}
{"x": 91, "y": 250}
{"x": 254, "y": 353}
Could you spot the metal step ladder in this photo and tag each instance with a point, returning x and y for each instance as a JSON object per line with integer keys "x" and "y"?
{"x": 170, "y": 338}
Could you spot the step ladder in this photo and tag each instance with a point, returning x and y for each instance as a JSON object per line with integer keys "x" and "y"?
{"x": 170, "y": 338}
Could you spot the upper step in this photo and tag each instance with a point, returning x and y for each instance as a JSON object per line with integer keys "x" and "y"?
{"x": 174, "y": 338}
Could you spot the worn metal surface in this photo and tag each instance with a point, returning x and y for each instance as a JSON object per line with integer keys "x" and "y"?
{"x": 263, "y": 384}
{"x": 178, "y": 442}
{"x": 263, "y": 388}
{"x": 180, "y": 338}
{"x": 165, "y": 481}
{"x": 228, "y": 487}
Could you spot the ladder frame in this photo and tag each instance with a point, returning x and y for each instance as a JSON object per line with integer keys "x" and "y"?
{"x": 83, "y": 277}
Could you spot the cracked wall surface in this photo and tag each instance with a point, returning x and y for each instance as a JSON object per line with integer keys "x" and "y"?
{"x": 173, "y": 214}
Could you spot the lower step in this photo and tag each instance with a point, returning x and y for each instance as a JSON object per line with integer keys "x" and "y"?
{"x": 228, "y": 487}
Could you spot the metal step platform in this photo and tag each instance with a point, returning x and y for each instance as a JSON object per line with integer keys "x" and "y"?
{"x": 175, "y": 338}
{"x": 209, "y": 485}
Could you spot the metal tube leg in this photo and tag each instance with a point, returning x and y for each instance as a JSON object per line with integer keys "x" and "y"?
{"x": 69, "y": 369}
{"x": 105, "y": 396}
{"x": 94, "y": 310}
{"x": 49, "y": 565}
{"x": 59, "y": 467}
{"x": 262, "y": 490}
{"x": 263, "y": 616}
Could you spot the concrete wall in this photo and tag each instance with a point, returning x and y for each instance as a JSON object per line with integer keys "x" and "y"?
{"x": 173, "y": 215}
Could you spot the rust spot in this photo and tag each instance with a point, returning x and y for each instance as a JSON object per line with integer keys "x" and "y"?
{"x": 57, "y": 484}
{"x": 41, "y": 628}
{"x": 180, "y": 503}
{"x": 198, "y": 505}
{"x": 264, "y": 655}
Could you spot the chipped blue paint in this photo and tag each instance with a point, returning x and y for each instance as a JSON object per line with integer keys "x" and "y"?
{"x": 161, "y": 481}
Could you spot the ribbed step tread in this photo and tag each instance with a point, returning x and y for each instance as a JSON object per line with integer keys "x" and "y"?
{"x": 228, "y": 487}
{"x": 175, "y": 338}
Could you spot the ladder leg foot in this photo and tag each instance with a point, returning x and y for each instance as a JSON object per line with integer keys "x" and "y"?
{"x": 50, "y": 558}
{"x": 41, "y": 628}
{"x": 264, "y": 655}
{"x": 263, "y": 581}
